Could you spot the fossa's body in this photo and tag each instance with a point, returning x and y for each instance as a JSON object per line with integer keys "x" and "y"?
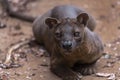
{"x": 68, "y": 34}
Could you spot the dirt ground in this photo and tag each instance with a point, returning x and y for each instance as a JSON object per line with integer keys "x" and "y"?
{"x": 35, "y": 65}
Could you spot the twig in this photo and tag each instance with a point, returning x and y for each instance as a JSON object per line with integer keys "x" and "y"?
{"x": 7, "y": 63}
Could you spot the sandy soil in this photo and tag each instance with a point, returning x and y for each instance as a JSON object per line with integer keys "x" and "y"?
{"x": 35, "y": 65}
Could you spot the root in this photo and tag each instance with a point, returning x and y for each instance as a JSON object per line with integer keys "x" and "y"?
{"x": 9, "y": 62}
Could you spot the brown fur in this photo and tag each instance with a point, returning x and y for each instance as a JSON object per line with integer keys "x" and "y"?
{"x": 83, "y": 55}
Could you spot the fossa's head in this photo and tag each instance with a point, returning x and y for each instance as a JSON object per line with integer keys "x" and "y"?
{"x": 67, "y": 32}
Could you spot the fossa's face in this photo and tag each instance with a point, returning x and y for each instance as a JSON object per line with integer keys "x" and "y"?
{"x": 68, "y": 33}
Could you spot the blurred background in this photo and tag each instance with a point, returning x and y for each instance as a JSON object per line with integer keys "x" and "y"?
{"x": 12, "y": 30}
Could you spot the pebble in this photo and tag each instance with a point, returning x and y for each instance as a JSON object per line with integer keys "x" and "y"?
{"x": 109, "y": 45}
{"x": 114, "y": 48}
{"x": 106, "y": 56}
{"x": 2, "y": 25}
{"x": 116, "y": 54}
{"x": 113, "y": 5}
{"x": 17, "y": 27}
{"x": 45, "y": 70}
{"x": 41, "y": 76}
{"x": 109, "y": 64}
{"x": 119, "y": 69}
{"x": 33, "y": 74}
{"x": 17, "y": 74}
{"x": 117, "y": 43}
{"x": 41, "y": 50}
{"x": 111, "y": 77}
{"x": 28, "y": 77}
{"x": 118, "y": 2}
{"x": 16, "y": 56}
{"x": 86, "y": 6}
{"x": 118, "y": 27}
{"x": 103, "y": 74}
{"x": 15, "y": 1}
{"x": 45, "y": 65}
{"x": 4, "y": 77}
{"x": 44, "y": 60}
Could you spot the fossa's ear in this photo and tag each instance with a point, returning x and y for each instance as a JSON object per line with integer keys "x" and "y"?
{"x": 51, "y": 22}
{"x": 83, "y": 18}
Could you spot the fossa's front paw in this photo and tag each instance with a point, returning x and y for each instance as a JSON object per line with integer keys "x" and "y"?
{"x": 86, "y": 69}
{"x": 74, "y": 76}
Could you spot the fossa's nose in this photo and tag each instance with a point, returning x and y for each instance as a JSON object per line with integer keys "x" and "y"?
{"x": 67, "y": 45}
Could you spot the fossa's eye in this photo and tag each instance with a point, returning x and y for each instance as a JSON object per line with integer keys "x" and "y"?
{"x": 57, "y": 34}
{"x": 76, "y": 34}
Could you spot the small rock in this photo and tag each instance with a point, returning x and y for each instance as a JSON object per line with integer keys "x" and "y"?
{"x": 111, "y": 77}
{"x": 17, "y": 33}
{"x": 45, "y": 70}
{"x": 4, "y": 77}
{"x": 33, "y": 74}
{"x": 115, "y": 48}
{"x": 44, "y": 60}
{"x": 14, "y": 1}
{"x": 3, "y": 66}
{"x": 46, "y": 65}
{"x": 119, "y": 69}
{"x": 117, "y": 43}
{"x": 41, "y": 50}
{"x": 2, "y": 25}
{"x": 102, "y": 17}
{"x": 118, "y": 2}
{"x": 103, "y": 74}
{"x": 116, "y": 54}
{"x": 109, "y": 65}
{"x": 17, "y": 74}
{"x": 17, "y": 27}
{"x": 113, "y": 5}
{"x": 118, "y": 57}
{"x": 16, "y": 56}
{"x": 28, "y": 77}
{"x": 15, "y": 65}
{"x": 109, "y": 45}
{"x": 86, "y": 6}
{"x": 0, "y": 69}
{"x": 41, "y": 76}
{"x": 106, "y": 56}
{"x": 118, "y": 27}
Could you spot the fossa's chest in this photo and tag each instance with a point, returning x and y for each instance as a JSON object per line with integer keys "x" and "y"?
{"x": 82, "y": 55}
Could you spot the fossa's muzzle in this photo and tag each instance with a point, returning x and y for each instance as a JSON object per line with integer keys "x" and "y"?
{"x": 67, "y": 45}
